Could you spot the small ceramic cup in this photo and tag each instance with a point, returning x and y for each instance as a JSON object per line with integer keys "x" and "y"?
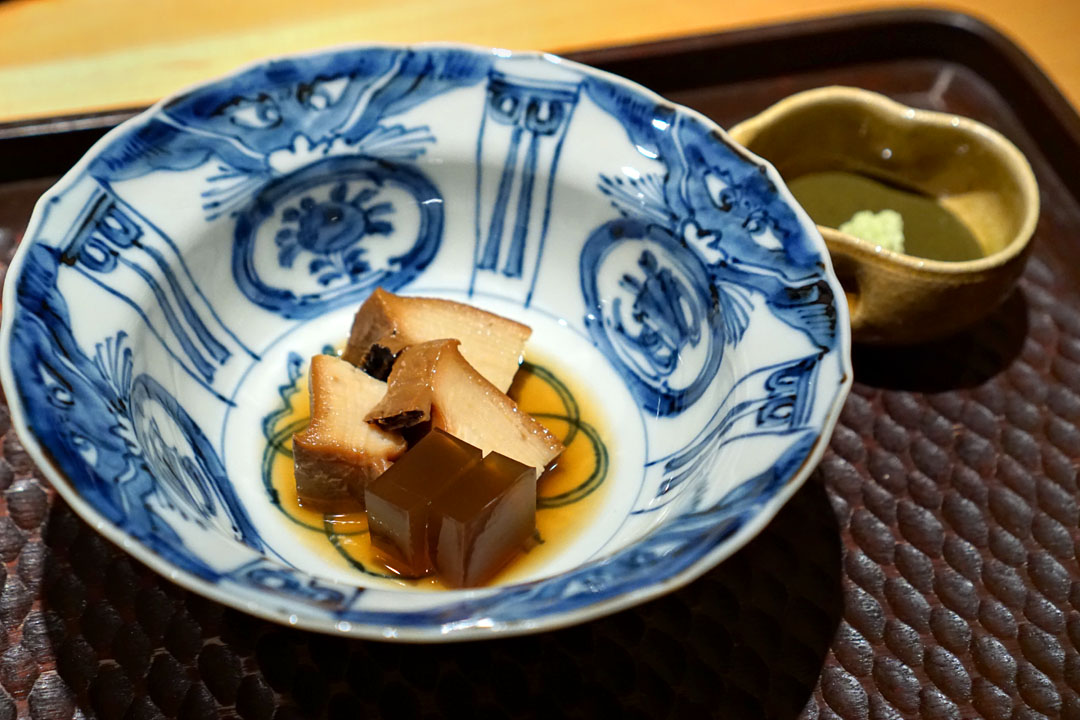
{"x": 972, "y": 171}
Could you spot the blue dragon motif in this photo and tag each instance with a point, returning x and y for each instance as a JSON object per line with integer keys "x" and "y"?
{"x": 243, "y": 120}
{"x": 102, "y": 428}
{"x": 267, "y": 129}
{"x": 713, "y": 210}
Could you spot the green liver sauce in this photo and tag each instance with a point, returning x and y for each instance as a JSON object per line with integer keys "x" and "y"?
{"x": 930, "y": 230}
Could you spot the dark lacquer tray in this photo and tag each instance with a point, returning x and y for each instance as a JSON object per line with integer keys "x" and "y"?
{"x": 928, "y": 569}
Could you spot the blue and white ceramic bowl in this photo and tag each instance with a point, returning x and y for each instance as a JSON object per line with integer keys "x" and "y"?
{"x": 158, "y": 313}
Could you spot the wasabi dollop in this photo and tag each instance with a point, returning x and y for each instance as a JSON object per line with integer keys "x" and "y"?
{"x": 885, "y": 228}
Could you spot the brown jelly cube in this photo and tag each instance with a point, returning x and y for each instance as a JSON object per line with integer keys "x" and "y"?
{"x": 398, "y": 501}
{"x": 483, "y": 519}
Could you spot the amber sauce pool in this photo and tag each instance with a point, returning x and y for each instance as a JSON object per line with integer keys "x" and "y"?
{"x": 569, "y": 494}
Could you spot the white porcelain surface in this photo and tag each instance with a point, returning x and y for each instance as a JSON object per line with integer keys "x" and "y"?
{"x": 172, "y": 284}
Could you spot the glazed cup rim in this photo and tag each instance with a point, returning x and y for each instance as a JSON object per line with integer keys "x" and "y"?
{"x": 1004, "y": 151}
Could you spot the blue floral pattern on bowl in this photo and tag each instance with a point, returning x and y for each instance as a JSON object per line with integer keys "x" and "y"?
{"x": 169, "y": 283}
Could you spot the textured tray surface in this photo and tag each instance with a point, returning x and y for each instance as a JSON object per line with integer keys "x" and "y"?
{"x": 928, "y": 569}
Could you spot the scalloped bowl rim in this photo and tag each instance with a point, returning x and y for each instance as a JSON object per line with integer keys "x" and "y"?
{"x": 424, "y": 634}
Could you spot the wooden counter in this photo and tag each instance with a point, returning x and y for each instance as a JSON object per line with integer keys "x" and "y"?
{"x": 65, "y": 56}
